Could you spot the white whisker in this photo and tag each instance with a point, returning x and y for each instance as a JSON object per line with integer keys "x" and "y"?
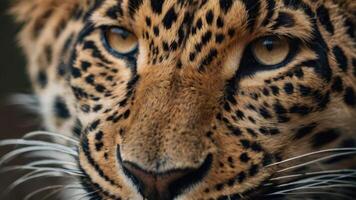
{"x": 317, "y": 160}
{"x": 312, "y": 153}
{"x": 312, "y": 173}
{"x": 54, "y": 135}
{"x": 11, "y": 155}
{"x": 303, "y": 194}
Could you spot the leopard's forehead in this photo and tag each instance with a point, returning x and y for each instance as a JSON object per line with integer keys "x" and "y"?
{"x": 186, "y": 28}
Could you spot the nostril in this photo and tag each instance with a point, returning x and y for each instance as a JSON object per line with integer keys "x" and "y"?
{"x": 166, "y": 185}
{"x": 154, "y": 185}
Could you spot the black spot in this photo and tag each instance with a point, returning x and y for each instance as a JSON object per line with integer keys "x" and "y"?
{"x": 134, "y": 5}
{"x": 240, "y": 114}
{"x": 219, "y": 38}
{"x": 60, "y": 108}
{"x": 114, "y": 12}
{"x": 209, "y": 17}
{"x": 99, "y": 136}
{"x": 148, "y": 22}
{"x": 253, "y": 170}
{"x": 305, "y": 130}
{"x": 324, "y": 18}
{"x": 169, "y": 18}
{"x": 85, "y": 108}
{"x": 271, "y": 8}
{"x": 256, "y": 147}
{"x": 236, "y": 131}
{"x": 244, "y": 157}
{"x": 85, "y": 65}
{"x": 350, "y": 27}
{"x": 156, "y": 6}
{"x": 279, "y": 109}
{"x": 241, "y": 177}
{"x": 220, "y": 22}
{"x": 208, "y": 58}
{"x": 340, "y": 58}
{"x": 288, "y": 88}
{"x": 245, "y": 143}
{"x": 305, "y": 90}
{"x": 284, "y": 20}
{"x": 156, "y": 31}
{"x": 275, "y": 90}
{"x": 324, "y": 137}
{"x": 75, "y": 72}
{"x": 349, "y": 96}
{"x": 94, "y": 125}
{"x": 337, "y": 85}
{"x": 99, "y": 146}
{"x": 225, "y": 5}
{"x": 265, "y": 113}
{"x": 42, "y": 78}
{"x": 300, "y": 109}
{"x": 253, "y": 10}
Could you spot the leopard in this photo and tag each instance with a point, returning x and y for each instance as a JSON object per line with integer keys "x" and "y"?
{"x": 193, "y": 99}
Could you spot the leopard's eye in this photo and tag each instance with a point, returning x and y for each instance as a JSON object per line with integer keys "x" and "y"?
{"x": 271, "y": 50}
{"x": 120, "y": 41}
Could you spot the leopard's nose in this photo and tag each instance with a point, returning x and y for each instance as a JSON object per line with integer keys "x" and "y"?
{"x": 165, "y": 185}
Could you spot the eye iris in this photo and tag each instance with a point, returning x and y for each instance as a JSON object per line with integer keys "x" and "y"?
{"x": 121, "y": 41}
{"x": 271, "y": 51}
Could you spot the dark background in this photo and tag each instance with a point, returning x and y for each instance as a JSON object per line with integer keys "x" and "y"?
{"x": 14, "y": 120}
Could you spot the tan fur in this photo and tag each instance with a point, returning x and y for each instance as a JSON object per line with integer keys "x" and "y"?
{"x": 176, "y": 117}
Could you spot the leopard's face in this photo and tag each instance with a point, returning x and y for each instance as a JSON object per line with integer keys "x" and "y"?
{"x": 207, "y": 99}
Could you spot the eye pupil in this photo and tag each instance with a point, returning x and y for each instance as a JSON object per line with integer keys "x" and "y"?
{"x": 269, "y": 44}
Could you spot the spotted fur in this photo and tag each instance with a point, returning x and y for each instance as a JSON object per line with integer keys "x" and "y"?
{"x": 190, "y": 98}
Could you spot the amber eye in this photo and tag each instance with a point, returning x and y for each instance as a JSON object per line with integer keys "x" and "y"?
{"x": 120, "y": 41}
{"x": 271, "y": 50}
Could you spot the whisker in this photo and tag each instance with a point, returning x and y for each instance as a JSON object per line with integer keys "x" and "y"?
{"x": 54, "y": 135}
{"x": 312, "y": 153}
{"x": 33, "y": 143}
{"x": 310, "y": 186}
{"x": 52, "y": 162}
{"x": 35, "y": 175}
{"x": 34, "y": 193}
{"x": 320, "y": 193}
{"x": 11, "y": 155}
{"x": 311, "y": 173}
{"x": 67, "y": 171}
{"x": 316, "y": 160}
{"x": 68, "y": 187}
{"x": 85, "y": 195}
